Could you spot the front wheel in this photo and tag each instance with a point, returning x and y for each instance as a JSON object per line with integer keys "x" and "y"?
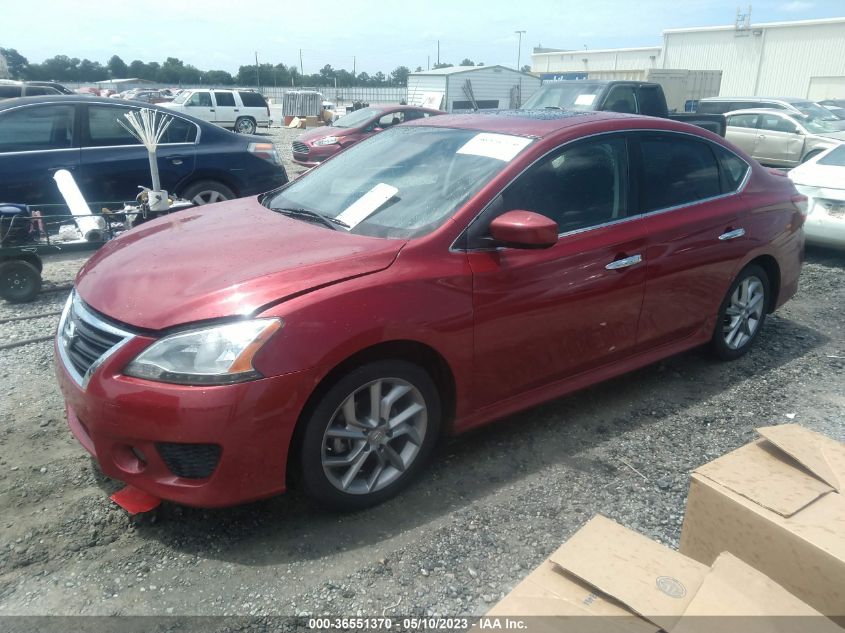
{"x": 245, "y": 125}
{"x": 369, "y": 435}
{"x": 741, "y": 314}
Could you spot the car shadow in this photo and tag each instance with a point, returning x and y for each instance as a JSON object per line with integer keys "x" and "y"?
{"x": 466, "y": 469}
{"x": 835, "y": 258}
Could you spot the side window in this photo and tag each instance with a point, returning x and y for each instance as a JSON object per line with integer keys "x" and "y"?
{"x": 732, "y": 168}
{"x": 201, "y": 99}
{"x": 180, "y": 131}
{"x": 581, "y": 186}
{"x": 226, "y": 99}
{"x": 743, "y": 120}
{"x": 392, "y": 118}
{"x": 37, "y": 128}
{"x": 677, "y": 171}
{"x": 104, "y": 128}
{"x": 10, "y": 92}
{"x": 621, "y": 99}
{"x": 32, "y": 91}
{"x": 252, "y": 100}
{"x": 775, "y": 123}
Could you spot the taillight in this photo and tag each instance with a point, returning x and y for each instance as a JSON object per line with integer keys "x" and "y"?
{"x": 800, "y": 201}
{"x": 266, "y": 151}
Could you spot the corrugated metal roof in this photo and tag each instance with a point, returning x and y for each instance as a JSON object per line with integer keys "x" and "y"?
{"x": 762, "y": 25}
{"x": 454, "y": 70}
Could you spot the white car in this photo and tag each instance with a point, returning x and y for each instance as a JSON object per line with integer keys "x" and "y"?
{"x": 239, "y": 110}
{"x": 822, "y": 180}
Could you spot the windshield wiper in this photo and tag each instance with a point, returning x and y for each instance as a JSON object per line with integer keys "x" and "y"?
{"x": 299, "y": 212}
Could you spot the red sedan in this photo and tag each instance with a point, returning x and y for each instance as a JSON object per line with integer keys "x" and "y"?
{"x": 314, "y": 146}
{"x": 429, "y": 280}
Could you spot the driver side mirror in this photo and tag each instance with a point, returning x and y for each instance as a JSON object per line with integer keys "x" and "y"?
{"x": 524, "y": 229}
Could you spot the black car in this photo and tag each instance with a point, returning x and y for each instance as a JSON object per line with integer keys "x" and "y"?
{"x": 196, "y": 160}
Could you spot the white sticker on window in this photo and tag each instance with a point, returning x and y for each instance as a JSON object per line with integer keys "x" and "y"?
{"x": 499, "y": 146}
{"x": 367, "y": 204}
{"x": 585, "y": 100}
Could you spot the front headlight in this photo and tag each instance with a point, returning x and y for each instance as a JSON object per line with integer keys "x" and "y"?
{"x": 326, "y": 140}
{"x": 216, "y": 355}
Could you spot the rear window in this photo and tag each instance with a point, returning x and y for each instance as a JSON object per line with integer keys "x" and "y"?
{"x": 677, "y": 171}
{"x": 732, "y": 168}
{"x": 36, "y": 128}
{"x": 105, "y": 129}
{"x": 252, "y": 100}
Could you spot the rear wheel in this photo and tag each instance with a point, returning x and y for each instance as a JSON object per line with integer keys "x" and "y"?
{"x": 20, "y": 281}
{"x": 741, "y": 314}
{"x": 245, "y": 125}
{"x": 207, "y": 192}
{"x": 370, "y": 435}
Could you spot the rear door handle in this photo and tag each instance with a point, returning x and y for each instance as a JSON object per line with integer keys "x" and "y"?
{"x": 625, "y": 262}
{"x": 732, "y": 235}
{"x": 236, "y": 110}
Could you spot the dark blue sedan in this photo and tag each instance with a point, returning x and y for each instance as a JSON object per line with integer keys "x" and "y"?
{"x": 196, "y": 160}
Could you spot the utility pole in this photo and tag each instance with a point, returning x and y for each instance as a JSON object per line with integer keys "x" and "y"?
{"x": 301, "y": 71}
{"x": 257, "y": 76}
{"x": 519, "y": 50}
{"x": 438, "y": 52}
{"x": 428, "y": 62}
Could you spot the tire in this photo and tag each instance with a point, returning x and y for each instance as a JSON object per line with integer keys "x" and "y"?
{"x": 738, "y": 324}
{"x": 207, "y": 192}
{"x": 245, "y": 125}
{"x": 354, "y": 465}
{"x": 20, "y": 281}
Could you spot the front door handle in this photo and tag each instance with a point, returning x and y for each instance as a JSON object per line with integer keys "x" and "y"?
{"x": 237, "y": 110}
{"x": 732, "y": 235}
{"x": 625, "y": 262}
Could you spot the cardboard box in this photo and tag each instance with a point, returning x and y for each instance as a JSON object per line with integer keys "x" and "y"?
{"x": 777, "y": 505}
{"x": 311, "y": 121}
{"x": 640, "y": 586}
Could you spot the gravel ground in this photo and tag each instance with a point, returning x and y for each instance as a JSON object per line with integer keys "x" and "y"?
{"x": 489, "y": 508}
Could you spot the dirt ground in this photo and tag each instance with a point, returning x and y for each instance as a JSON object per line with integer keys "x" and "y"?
{"x": 488, "y": 509}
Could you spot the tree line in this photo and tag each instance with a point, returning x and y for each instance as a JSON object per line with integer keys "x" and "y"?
{"x": 174, "y": 72}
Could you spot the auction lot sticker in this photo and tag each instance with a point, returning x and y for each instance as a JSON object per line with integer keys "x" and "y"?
{"x": 499, "y": 146}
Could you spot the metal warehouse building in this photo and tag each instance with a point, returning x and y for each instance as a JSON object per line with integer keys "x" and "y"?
{"x": 790, "y": 59}
{"x": 471, "y": 87}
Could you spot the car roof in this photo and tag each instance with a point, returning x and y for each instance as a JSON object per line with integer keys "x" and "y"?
{"x": 780, "y": 99}
{"x": 763, "y": 111}
{"x": 533, "y": 123}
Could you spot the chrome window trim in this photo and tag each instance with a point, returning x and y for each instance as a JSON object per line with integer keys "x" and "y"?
{"x": 737, "y": 191}
{"x": 89, "y": 317}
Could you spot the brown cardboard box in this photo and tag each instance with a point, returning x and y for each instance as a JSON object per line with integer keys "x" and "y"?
{"x": 311, "y": 121}
{"x": 642, "y": 587}
{"x": 777, "y": 505}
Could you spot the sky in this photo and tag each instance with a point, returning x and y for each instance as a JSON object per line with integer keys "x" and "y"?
{"x": 379, "y": 35}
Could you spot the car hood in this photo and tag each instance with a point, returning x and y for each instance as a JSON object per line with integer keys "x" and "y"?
{"x": 839, "y": 136}
{"x": 309, "y": 136}
{"x": 221, "y": 260}
{"x": 821, "y": 176}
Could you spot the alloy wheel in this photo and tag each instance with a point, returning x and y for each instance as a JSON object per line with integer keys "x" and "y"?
{"x": 374, "y": 436}
{"x": 208, "y": 196}
{"x": 744, "y": 312}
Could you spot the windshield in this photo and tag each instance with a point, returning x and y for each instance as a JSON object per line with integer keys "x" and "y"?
{"x": 820, "y": 126}
{"x": 359, "y": 117}
{"x": 404, "y": 182}
{"x": 567, "y": 95}
{"x": 835, "y": 158}
{"x": 182, "y": 97}
{"x": 813, "y": 110}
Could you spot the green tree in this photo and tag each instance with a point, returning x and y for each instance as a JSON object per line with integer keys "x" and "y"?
{"x": 399, "y": 76}
{"x": 526, "y": 68}
{"x": 16, "y": 62}
{"x": 217, "y": 78}
{"x": 419, "y": 69}
{"x": 443, "y": 65}
{"x": 467, "y": 62}
{"x": 117, "y": 68}
{"x": 379, "y": 79}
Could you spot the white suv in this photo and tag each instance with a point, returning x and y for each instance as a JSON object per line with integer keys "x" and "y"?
{"x": 239, "y": 110}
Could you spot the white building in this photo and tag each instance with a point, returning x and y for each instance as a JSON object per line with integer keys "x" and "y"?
{"x": 471, "y": 87}
{"x": 787, "y": 59}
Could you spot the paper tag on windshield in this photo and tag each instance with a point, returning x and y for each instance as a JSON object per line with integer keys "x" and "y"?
{"x": 367, "y": 204}
{"x": 585, "y": 100}
{"x": 498, "y": 146}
